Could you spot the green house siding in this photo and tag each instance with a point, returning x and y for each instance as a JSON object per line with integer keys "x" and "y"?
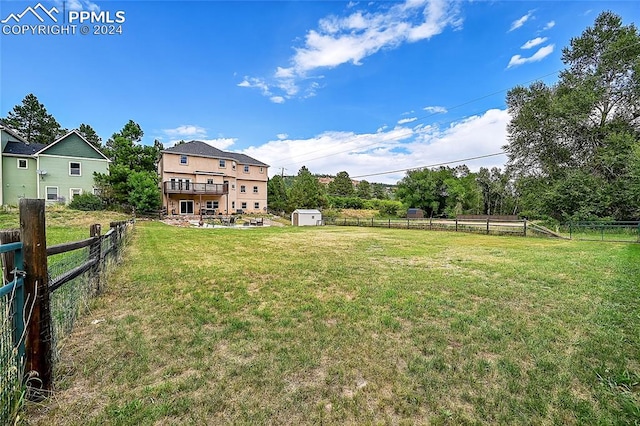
{"x": 18, "y": 183}
{"x": 58, "y": 174}
{"x": 72, "y": 146}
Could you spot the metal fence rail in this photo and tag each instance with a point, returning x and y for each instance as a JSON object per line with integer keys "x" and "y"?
{"x": 12, "y": 323}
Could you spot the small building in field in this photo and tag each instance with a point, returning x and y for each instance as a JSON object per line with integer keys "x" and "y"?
{"x": 415, "y": 214}
{"x": 306, "y": 217}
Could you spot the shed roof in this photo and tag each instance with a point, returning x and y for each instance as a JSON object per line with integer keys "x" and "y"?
{"x": 307, "y": 211}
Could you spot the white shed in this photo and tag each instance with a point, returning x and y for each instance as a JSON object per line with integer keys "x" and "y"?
{"x": 306, "y": 217}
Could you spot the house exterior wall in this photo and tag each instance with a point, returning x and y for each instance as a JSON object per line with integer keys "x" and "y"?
{"x": 202, "y": 170}
{"x": 18, "y": 183}
{"x": 58, "y": 175}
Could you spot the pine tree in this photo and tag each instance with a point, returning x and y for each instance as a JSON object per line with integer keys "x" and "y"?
{"x": 33, "y": 122}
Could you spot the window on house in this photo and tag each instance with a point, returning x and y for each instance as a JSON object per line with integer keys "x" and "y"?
{"x": 233, "y": 165}
{"x": 223, "y": 164}
{"x": 261, "y": 169}
{"x": 184, "y": 159}
{"x": 233, "y": 204}
{"x": 213, "y": 205}
{"x": 209, "y": 181}
{"x": 244, "y": 205}
{"x": 96, "y": 191}
{"x": 23, "y": 163}
{"x": 233, "y": 186}
{"x": 243, "y": 188}
{"x": 52, "y": 193}
{"x": 255, "y": 189}
{"x": 246, "y": 169}
{"x": 256, "y": 206}
{"x": 74, "y": 169}
{"x": 73, "y": 192}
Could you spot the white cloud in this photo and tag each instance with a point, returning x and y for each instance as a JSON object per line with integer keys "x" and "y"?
{"x": 189, "y": 132}
{"x": 407, "y": 120}
{"x": 220, "y": 143}
{"x": 521, "y": 21}
{"x": 339, "y": 40}
{"x": 435, "y": 109}
{"x": 282, "y": 136}
{"x": 533, "y": 43}
{"x": 391, "y": 148}
{"x": 186, "y": 131}
{"x": 549, "y": 25}
{"x": 542, "y": 53}
{"x": 277, "y": 99}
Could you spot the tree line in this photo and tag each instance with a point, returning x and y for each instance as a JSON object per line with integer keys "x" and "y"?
{"x": 132, "y": 180}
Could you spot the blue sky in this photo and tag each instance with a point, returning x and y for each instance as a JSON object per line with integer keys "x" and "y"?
{"x": 366, "y": 87}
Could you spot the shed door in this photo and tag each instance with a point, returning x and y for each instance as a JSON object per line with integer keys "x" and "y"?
{"x": 295, "y": 219}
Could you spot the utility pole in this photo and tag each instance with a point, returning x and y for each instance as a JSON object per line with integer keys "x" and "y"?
{"x": 282, "y": 169}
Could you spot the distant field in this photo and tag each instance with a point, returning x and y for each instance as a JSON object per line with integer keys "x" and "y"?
{"x": 336, "y": 325}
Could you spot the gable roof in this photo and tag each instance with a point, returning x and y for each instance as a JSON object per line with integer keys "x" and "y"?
{"x": 15, "y": 134}
{"x": 22, "y": 148}
{"x": 202, "y": 149}
{"x": 46, "y": 147}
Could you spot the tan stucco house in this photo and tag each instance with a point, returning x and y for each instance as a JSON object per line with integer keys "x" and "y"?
{"x": 197, "y": 178}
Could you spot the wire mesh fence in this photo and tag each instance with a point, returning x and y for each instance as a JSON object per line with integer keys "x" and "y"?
{"x": 76, "y": 272}
{"x": 480, "y": 226}
{"x": 615, "y": 231}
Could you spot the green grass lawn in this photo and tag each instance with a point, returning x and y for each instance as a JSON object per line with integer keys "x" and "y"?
{"x": 338, "y": 325}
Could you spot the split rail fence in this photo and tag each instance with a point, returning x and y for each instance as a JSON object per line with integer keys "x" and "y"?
{"x": 44, "y": 290}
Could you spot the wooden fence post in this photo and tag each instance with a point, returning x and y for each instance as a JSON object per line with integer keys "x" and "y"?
{"x": 456, "y": 224}
{"x": 39, "y": 353}
{"x": 487, "y": 226}
{"x": 95, "y": 252}
{"x": 525, "y": 227}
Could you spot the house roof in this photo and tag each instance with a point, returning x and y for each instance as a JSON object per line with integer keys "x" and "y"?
{"x": 21, "y": 148}
{"x": 203, "y": 149}
{"x": 12, "y": 132}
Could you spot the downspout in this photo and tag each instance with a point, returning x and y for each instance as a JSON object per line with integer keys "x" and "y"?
{"x": 38, "y": 177}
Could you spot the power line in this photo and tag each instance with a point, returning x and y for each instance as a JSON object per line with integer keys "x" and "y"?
{"x": 448, "y": 109}
{"x": 431, "y": 165}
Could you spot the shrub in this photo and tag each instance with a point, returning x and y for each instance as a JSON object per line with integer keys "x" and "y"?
{"x": 86, "y": 202}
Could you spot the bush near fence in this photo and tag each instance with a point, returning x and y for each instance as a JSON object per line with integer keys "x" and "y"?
{"x": 75, "y": 273}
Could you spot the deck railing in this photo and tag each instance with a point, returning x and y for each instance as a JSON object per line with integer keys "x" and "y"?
{"x": 181, "y": 187}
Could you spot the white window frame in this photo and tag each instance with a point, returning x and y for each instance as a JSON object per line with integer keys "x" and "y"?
{"x": 261, "y": 169}
{"x": 256, "y": 205}
{"x": 222, "y": 164}
{"x": 247, "y": 169}
{"x": 46, "y": 193}
{"x": 71, "y": 193}
{"x": 243, "y": 206}
{"x": 209, "y": 181}
{"x": 184, "y": 160}
{"x": 212, "y": 204}
{"x": 186, "y": 202}
{"x": 79, "y": 168}
{"x": 255, "y": 189}
{"x": 243, "y": 189}
{"x": 26, "y": 163}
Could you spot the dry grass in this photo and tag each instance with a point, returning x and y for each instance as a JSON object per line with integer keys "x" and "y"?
{"x": 355, "y": 325}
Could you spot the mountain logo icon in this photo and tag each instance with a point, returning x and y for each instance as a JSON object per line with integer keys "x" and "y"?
{"x": 34, "y": 11}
